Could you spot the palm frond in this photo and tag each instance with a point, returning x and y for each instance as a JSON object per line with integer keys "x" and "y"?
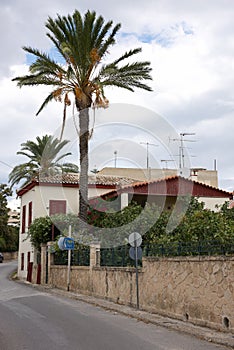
{"x": 44, "y": 157}
{"x": 69, "y": 168}
{"x": 23, "y": 171}
{"x": 48, "y": 99}
{"x": 110, "y": 40}
{"x": 129, "y": 76}
{"x": 127, "y": 55}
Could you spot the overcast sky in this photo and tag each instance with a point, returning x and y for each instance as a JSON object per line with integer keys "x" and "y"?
{"x": 191, "y": 48}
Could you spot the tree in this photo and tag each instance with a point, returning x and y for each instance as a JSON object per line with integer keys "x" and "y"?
{"x": 4, "y": 192}
{"x": 197, "y": 225}
{"x": 9, "y": 236}
{"x": 83, "y": 43}
{"x": 44, "y": 159}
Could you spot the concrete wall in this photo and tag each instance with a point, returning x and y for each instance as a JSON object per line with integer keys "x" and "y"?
{"x": 208, "y": 177}
{"x": 139, "y": 174}
{"x": 199, "y": 290}
{"x": 10, "y": 256}
{"x": 213, "y": 203}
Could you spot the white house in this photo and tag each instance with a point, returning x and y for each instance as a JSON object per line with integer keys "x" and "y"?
{"x": 53, "y": 195}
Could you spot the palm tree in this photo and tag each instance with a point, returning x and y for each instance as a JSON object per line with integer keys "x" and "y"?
{"x": 83, "y": 43}
{"x": 44, "y": 157}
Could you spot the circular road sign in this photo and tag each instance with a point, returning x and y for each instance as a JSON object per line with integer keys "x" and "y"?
{"x": 132, "y": 253}
{"x": 135, "y": 239}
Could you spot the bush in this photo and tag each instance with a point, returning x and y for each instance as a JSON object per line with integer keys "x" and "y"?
{"x": 40, "y": 231}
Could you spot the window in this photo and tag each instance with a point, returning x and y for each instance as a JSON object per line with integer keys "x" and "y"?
{"x": 22, "y": 261}
{"x": 29, "y": 213}
{"x": 23, "y": 219}
{"x": 57, "y": 207}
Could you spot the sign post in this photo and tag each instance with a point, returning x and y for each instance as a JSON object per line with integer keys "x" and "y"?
{"x": 137, "y": 283}
{"x": 135, "y": 253}
{"x": 67, "y": 243}
{"x": 69, "y": 262}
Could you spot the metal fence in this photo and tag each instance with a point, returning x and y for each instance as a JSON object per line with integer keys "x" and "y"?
{"x": 117, "y": 256}
{"x": 188, "y": 249}
{"x": 78, "y": 257}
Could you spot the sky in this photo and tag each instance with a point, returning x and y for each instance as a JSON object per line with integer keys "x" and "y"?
{"x": 190, "y": 45}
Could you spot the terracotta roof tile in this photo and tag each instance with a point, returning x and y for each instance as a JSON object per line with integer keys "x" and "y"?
{"x": 72, "y": 178}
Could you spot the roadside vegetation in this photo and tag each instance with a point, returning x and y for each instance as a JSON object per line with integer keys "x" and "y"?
{"x": 9, "y": 235}
{"x": 198, "y": 225}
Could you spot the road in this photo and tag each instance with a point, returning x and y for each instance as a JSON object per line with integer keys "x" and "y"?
{"x": 34, "y": 320}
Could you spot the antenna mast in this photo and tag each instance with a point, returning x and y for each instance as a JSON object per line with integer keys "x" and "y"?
{"x": 147, "y": 151}
{"x": 182, "y": 147}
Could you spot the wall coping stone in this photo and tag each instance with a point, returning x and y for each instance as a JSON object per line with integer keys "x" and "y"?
{"x": 117, "y": 268}
{"x": 190, "y": 258}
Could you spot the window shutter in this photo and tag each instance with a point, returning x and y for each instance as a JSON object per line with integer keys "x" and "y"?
{"x": 57, "y": 207}
{"x": 23, "y": 219}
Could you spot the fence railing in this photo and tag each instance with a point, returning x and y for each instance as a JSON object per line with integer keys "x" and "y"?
{"x": 117, "y": 256}
{"x": 79, "y": 257}
{"x": 188, "y": 249}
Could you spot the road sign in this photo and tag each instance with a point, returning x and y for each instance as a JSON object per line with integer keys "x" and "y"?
{"x": 60, "y": 243}
{"x": 135, "y": 253}
{"x": 66, "y": 243}
{"x": 135, "y": 239}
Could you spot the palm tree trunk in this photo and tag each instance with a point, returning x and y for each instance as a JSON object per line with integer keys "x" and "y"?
{"x": 84, "y": 163}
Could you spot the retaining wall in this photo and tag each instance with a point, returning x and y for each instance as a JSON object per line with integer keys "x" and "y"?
{"x": 199, "y": 290}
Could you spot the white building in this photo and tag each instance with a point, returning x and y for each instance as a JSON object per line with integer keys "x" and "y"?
{"x": 54, "y": 195}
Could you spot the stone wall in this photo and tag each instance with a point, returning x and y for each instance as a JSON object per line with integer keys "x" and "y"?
{"x": 10, "y": 255}
{"x": 199, "y": 290}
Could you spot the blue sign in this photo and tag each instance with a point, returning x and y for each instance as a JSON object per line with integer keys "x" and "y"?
{"x": 68, "y": 243}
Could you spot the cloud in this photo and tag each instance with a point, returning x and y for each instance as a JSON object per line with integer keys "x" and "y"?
{"x": 189, "y": 43}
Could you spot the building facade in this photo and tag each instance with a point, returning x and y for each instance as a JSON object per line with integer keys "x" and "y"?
{"x": 54, "y": 195}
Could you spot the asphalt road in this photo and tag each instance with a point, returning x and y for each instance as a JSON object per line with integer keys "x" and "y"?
{"x": 34, "y": 320}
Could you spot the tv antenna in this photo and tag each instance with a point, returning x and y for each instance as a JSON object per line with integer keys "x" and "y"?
{"x": 182, "y": 147}
{"x": 166, "y": 162}
{"x": 147, "y": 151}
{"x": 115, "y": 154}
